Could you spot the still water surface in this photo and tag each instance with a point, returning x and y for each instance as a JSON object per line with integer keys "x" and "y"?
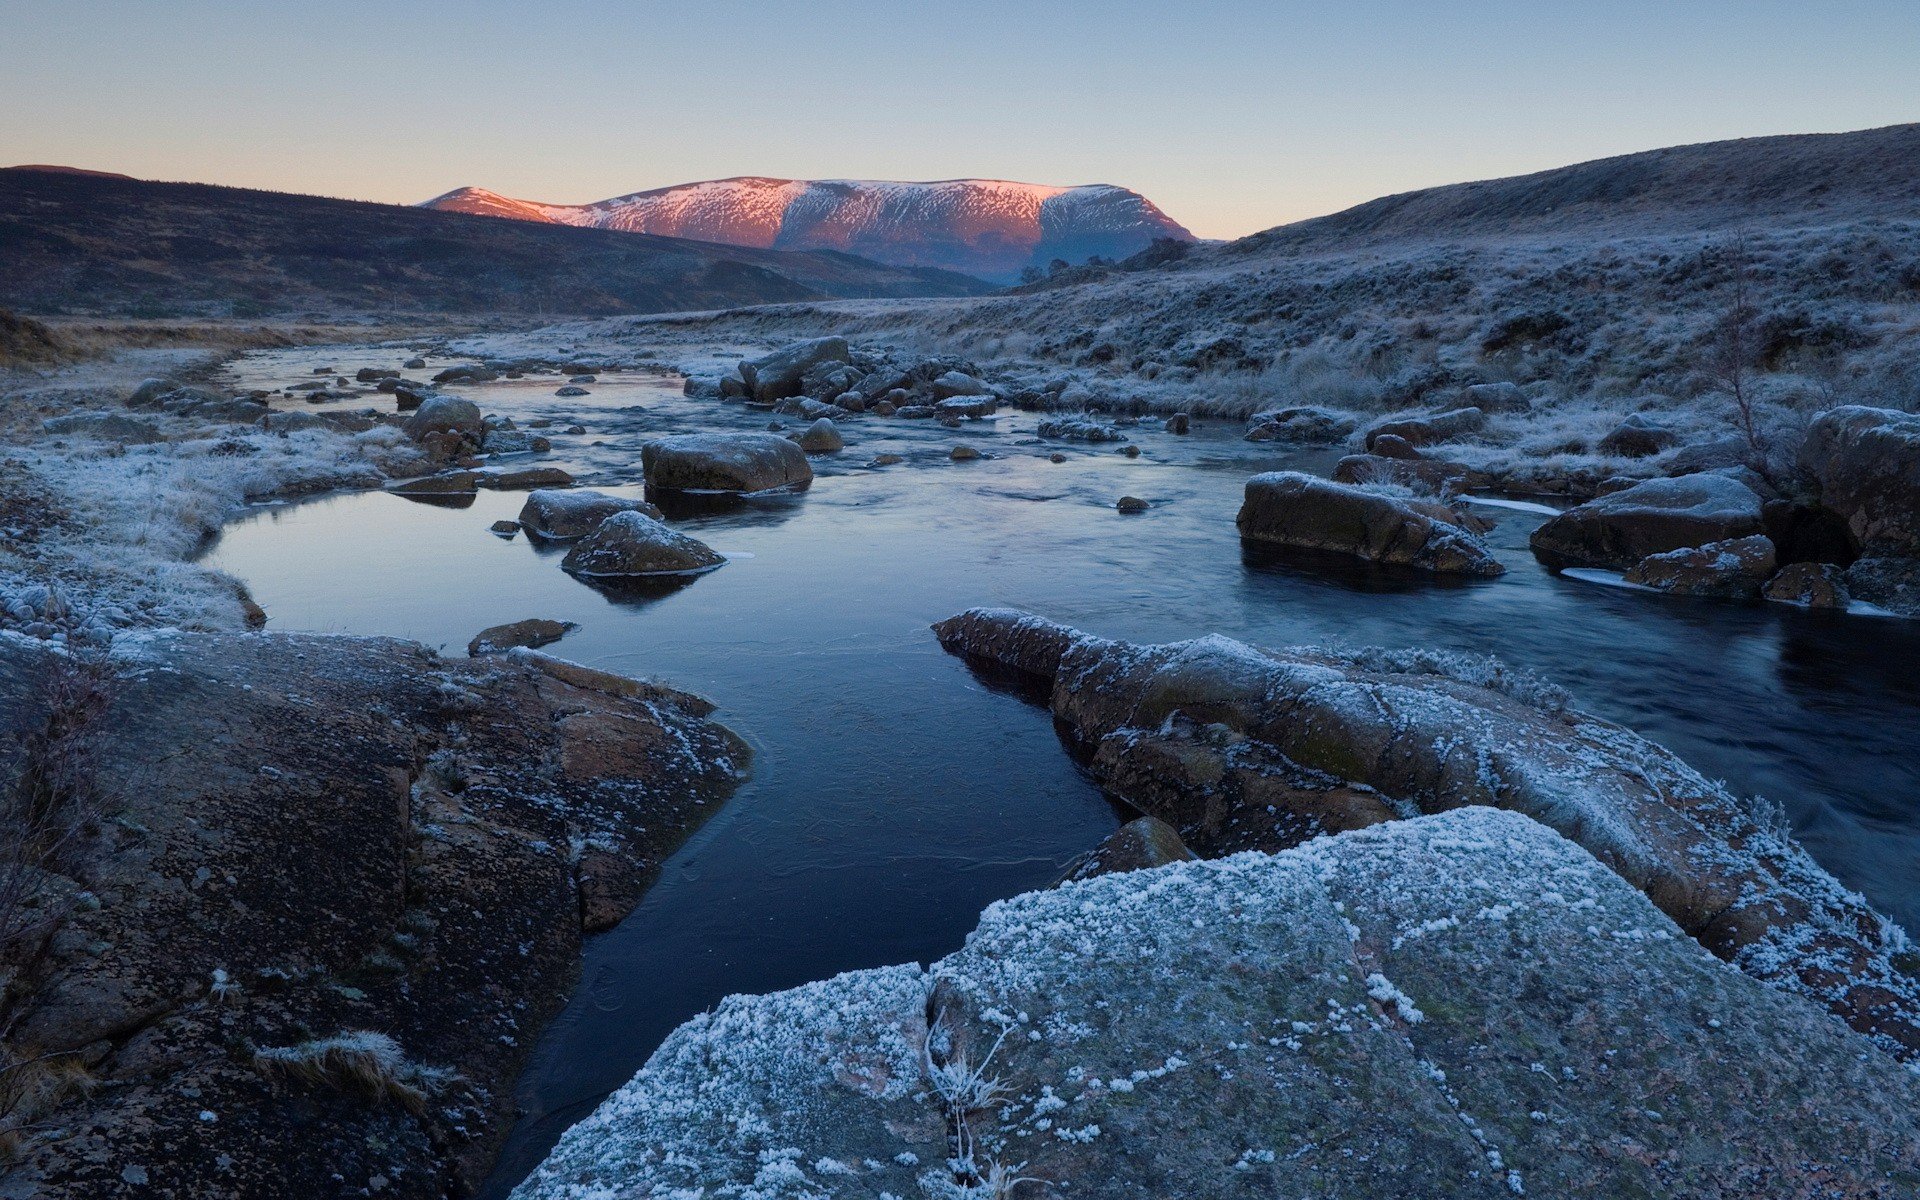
{"x": 895, "y": 794}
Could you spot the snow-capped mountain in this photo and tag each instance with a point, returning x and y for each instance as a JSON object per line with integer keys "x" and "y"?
{"x": 990, "y": 228}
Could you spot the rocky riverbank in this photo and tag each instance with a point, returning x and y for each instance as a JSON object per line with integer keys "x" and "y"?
{"x": 281, "y": 915}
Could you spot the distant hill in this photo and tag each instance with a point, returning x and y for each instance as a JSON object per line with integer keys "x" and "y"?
{"x": 71, "y": 240}
{"x": 991, "y": 228}
{"x": 1793, "y": 178}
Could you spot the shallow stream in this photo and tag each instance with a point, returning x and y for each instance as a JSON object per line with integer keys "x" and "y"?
{"x": 894, "y": 793}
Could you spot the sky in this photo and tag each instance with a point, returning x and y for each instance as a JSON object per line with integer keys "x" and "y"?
{"x": 1232, "y": 115}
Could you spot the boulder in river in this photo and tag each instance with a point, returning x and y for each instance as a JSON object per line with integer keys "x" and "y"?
{"x": 445, "y": 414}
{"x": 1242, "y": 748}
{"x": 1460, "y": 1005}
{"x": 1735, "y": 569}
{"x": 1655, "y": 516}
{"x": 1810, "y": 585}
{"x": 563, "y": 515}
{"x": 1291, "y": 508}
{"x": 1866, "y": 462}
{"x": 632, "y": 545}
{"x": 739, "y": 463}
{"x": 778, "y": 375}
{"x": 821, "y": 437}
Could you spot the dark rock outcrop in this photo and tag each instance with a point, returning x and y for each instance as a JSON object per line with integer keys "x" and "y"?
{"x": 336, "y": 900}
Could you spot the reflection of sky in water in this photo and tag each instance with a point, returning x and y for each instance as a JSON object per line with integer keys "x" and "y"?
{"x": 895, "y": 795}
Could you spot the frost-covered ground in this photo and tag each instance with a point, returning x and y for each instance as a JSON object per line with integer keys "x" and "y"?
{"x": 97, "y": 533}
{"x": 1592, "y": 327}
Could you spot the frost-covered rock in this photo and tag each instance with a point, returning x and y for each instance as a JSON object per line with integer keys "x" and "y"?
{"x": 1866, "y": 462}
{"x": 1422, "y": 474}
{"x": 957, "y": 383}
{"x": 1079, "y": 429}
{"x": 632, "y": 545}
{"x": 778, "y": 375}
{"x": 1301, "y": 425}
{"x": 1242, "y": 748}
{"x": 1639, "y": 436}
{"x": 741, "y": 463}
{"x": 1460, "y": 1005}
{"x": 1291, "y": 508}
{"x": 1811, "y": 585}
{"x": 1653, "y": 517}
{"x": 561, "y": 515}
{"x": 1429, "y": 430}
{"x": 106, "y": 426}
{"x": 1734, "y": 570}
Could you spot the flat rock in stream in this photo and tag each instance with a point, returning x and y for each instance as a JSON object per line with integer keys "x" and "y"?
{"x": 1244, "y": 748}
{"x": 321, "y": 848}
{"x": 1459, "y": 1005}
{"x": 1290, "y": 508}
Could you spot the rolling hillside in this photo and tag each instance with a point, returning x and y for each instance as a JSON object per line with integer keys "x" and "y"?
{"x": 73, "y": 241}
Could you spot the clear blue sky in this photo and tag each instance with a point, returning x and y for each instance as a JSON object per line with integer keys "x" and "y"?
{"x": 1234, "y": 115}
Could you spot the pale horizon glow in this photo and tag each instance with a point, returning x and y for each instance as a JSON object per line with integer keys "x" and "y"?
{"x": 1231, "y": 115}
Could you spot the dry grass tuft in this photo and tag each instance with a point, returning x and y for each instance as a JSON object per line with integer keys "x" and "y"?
{"x": 359, "y": 1062}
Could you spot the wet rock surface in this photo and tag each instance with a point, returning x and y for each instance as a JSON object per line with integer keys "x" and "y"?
{"x": 1241, "y": 748}
{"x": 740, "y": 463}
{"x": 336, "y": 887}
{"x": 1461, "y": 1004}
{"x": 1290, "y": 508}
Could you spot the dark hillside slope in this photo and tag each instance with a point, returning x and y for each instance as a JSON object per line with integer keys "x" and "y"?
{"x": 84, "y": 242}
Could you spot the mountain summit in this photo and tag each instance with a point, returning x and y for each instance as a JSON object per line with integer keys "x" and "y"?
{"x": 991, "y": 228}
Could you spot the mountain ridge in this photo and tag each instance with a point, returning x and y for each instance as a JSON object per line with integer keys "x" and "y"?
{"x": 990, "y": 228}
